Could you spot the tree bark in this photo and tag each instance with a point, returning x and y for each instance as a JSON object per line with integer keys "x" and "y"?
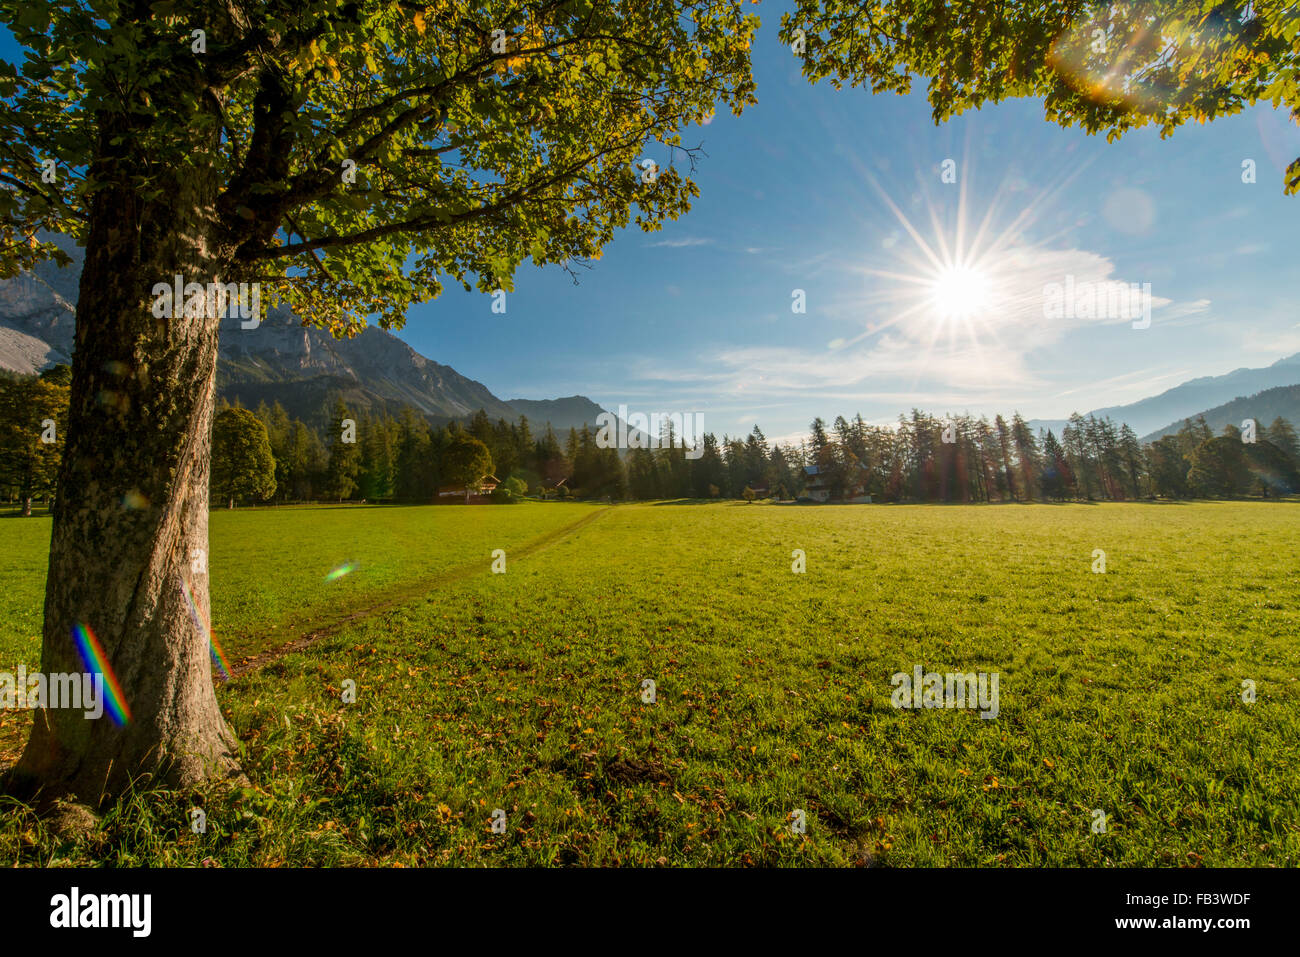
{"x": 27, "y": 506}
{"x": 132, "y": 524}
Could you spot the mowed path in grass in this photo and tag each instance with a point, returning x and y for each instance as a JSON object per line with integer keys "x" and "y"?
{"x": 270, "y": 568}
{"x": 1120, "y": 693}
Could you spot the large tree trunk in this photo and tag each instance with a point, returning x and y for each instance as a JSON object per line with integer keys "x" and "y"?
{"x": 27, "y": 506}
{"x": 130, "y": 535}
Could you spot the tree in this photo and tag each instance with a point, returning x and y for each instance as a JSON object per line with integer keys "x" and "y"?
{"x": 1282, "y": 434}
{"x": 1168, "y": 467}
{"x": 819, "y": 437}
{"x": 416, "y": 480}
{"x": 1219, "y": 468}
{"x": 1106, "y": 67}
{"x": 307, "y": 461}
{"x": 242, "y": 464}
{"x": 1004, "y": 453}
{"x": 33, "y": 421}
{"x": 1074, "y": 440}
{"x": 376, "y": 479}
{"x": 1130, "y": 451}
{"x": 1270, "y": 470}
{"x": 279, "y": 429}
{"x": 1193, "y": 434}
{"x": 465, "y": 461}
{"x": 1054, "y": 480}
{"x": 1027, "y": 456}
{"x": 344, "y": 156}
{"x": 709, "y": 472}
{"x": 345, "y": 455}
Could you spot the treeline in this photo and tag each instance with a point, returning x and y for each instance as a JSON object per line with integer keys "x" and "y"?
{"x": 921, "y": 459}
{"x": 382, "y": 458}
{"x": 963, "y": 459}
{"x": 264, "y": 455}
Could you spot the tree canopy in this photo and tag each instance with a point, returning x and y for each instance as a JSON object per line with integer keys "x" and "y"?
{"x": 1106, "y": 67}
{"x": 242, "y": 466}
{"x": 33, "y": 418}
{"x": 466, "y": 461}
{"x": 364, "y": 151}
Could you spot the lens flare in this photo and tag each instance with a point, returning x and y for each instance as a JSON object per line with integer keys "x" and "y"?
{"x": 200, "y": 619}
{"x": 95, "y": 661}
{"x": 339, "y": 572}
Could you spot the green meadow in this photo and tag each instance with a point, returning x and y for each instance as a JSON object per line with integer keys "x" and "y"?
{"x": 1122, "y": 736}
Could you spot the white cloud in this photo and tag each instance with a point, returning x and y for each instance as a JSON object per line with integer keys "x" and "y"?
{"x": 906, "y": 355}
{"x": 681, "y": 243}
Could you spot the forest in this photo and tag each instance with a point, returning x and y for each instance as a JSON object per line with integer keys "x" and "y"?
{"x": 264, "y": 456}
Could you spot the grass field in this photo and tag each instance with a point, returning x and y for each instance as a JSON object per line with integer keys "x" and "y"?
{"x": 1120, "y": 692}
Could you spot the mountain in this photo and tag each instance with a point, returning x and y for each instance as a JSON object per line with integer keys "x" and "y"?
{"x": 36, "y": 317}
{"x": 1263, "y": 407}
{"x": 1192, "y": 397}
{"x": 563, "y": 414}
{"x": 304, "y": 369}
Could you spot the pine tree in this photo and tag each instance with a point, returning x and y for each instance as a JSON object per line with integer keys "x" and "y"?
{"x": 416, "y": 476}
{"x": 1004, "y": 454}
{"x": 1130, "y": 450}
{"x": 1281, "y": 434}
{"x": 1028, "y": 463}
{"x": 345, "y": 456}
{"x": 377, "y": 461}
{"x": 1053, "y": 481}
{"x": 1167, "y": 467}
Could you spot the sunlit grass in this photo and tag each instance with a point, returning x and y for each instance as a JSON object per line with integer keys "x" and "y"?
{"x": 1120, "y": 692}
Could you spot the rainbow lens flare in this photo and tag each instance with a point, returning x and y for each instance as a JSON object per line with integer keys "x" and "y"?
{"x": 201, "y": 622}
{"x": 339, "y": 572}
{"x": 95, "y": 661}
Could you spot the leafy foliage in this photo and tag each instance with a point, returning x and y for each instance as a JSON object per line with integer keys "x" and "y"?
{"x": 29, "y": 465}
{"x": 1106, "y": 67}
{"x": 465, "y": 461}
{"x": 242, "y": 466}
{"x": 479, "y": 134}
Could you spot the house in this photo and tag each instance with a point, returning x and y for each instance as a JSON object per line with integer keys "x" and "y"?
{"x": 817, "y": 486}
{"x": 556, "y": 490}
{"x": 475, "y": 493}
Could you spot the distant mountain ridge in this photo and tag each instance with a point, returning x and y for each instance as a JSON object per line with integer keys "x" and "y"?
{"x": 1282, "y": 401}
{"x": 306, "y": 368}
{"x": 302, "y": 368}
{"x": 1147, "y": 416}
{"x": 572, "y": 412}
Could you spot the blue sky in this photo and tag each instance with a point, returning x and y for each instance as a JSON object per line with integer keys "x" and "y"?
{"x": 797, "y": 193}
{"x": 698, "y": 317}
{"x": 813, "y": 189}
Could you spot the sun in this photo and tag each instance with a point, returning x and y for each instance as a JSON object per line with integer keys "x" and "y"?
{"x": 959, "y": 292}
